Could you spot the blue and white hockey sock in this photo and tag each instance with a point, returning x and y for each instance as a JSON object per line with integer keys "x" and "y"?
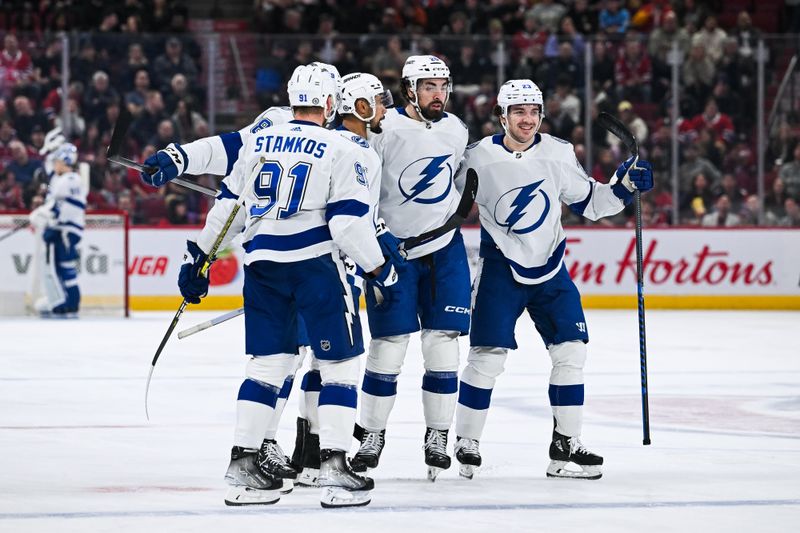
{"x": 337, "y": 414}
{"x": 280, "y": 404}
{"x": 566, "y": 386}
{"x": 255, "y": 407}
{"x": 309, "y": 400}
{"x": 439, "y": 398}
{"x": 378, "y": 393}
{"x": 484, "y": 364}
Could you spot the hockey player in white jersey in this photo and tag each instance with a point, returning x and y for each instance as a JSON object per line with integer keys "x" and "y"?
{"x": 524, "y": 176}
{"x": 304, "y": 200}
{"x": 420, "y": 148}
{"x": 60, "y": 220}
{"x": 216, "y": 155}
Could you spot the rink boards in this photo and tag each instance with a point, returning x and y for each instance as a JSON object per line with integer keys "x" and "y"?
{"x": 687, "y": 268}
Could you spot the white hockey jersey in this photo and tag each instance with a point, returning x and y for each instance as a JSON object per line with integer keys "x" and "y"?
{"x": 217, "y": 154}
{"x": 305, "y": 189}
{"x": 519, "y": 198}
{"x": 419, "y": 165}
{"x": 66, "y": 199}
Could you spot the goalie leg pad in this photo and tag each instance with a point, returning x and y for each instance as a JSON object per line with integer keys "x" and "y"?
{"x": 566, "y": 386}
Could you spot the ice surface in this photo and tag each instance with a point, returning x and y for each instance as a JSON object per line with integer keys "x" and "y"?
{"x": 76, "y": 453}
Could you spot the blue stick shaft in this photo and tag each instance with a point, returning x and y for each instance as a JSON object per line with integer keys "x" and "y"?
{"x": 637, "y": 199}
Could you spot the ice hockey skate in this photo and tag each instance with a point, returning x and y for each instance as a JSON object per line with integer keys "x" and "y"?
{"x": 272, "y": 460}
{"x": 341, "y": 487}
{"x": 250, "y": 485}
{"x": 305, "y": 458}
{"x": 368, "y": 455}
{"x": 436, "y": 452}
{"x": 468, "y": 456}
{"x": 569, "y": 459}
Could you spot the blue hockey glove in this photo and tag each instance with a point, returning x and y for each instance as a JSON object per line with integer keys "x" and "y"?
{"x": 170, "y": 162}
{"x": 51, "y": 235}
{"x": 193, "y": 286}
{"x": 390, "y": 245}
{"x": 381, "y": 284}
{"x": 635, "y": 177}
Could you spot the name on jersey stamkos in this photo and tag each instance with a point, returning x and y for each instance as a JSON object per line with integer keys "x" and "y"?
{"x": 706, "y": 266}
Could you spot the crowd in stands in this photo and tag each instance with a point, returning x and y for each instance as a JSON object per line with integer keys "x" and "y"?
{"x": 140, "y": 54}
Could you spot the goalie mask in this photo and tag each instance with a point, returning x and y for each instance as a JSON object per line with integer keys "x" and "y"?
{"x": 517, "y": 92}
{"x": 418, "y": 68}
{"x": 362, "y": 85}
{"x": 310, "y": 86}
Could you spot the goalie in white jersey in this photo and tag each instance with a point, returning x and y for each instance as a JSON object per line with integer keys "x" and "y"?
{"x": 216, "y": 155}
{"x": 60, "y": 220}
{"x": 421, "y": 147}
{"x": 305, "y": 198}
{"x": 524, "y": 177}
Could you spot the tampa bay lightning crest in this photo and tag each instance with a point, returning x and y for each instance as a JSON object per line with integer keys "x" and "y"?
{"x": 427, "y": 180}
{"x": 523, "y": 209}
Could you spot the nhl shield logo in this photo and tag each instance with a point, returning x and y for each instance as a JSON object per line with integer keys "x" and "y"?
{"x": 325, "y": 345}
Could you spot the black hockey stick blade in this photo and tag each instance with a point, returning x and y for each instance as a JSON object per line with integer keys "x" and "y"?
{"x": 456, "y": 219}
{"x": 124, "y": 122}
{"x": 620, "y": 130}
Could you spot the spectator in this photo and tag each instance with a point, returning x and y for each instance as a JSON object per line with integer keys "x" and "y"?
{"x": 604, "y": 166}
{"x": 748, "y": 214}
{"x": 75, "y": 125}
{"x": 26, "y": 118}
{"x": 585, "y": 19}
{"x": 602, "y": 68}
{"x": 533, "y": 65}
{"x": 569, "y": 103}
{"x": 23, "y": 167}
{"x": 567, "y": 33}
{"x": 792, "y": 217}
{"x": 177, "y": 211}
{"x": 633, "y": 72}
{"x": 136, "y": 61}
{"x": 564, "y": 66}
{"x": 87, "y": 63}
{"x": 731, "y": 189}
{"x": 16, "y": 67}
{"x": 135, "y": 99}
{"x": 158, "y": 17}
{"x": 697, "y": 73}
{"x": 697, "y": 202}
{"x": 634, "y": 122}
{"x": 740, "y": 161}
{"x": 775, "y": 199}
{"x": 614, "y": 19}
{"x": 693, "y": 164}
{"x": 718, "y": 123}
{"x": 721, "y": 216}
{"x": 789, "y": 174}
{"x": 7, "y": 136}
{"x": 710, "y": 37}
{"x": 530, "y": 34}
{"x": 11, "y": 192}
{"x": 558, "y": 120}
{"x": 144, "y": 127}
{"x": 187, "y": 121}
{"x": 548, "y": 14}
{"x": 746, "y": 35}
{"x": 179, "y": 90}
{"x": 173, "y": 61}
{"x": 98, "y": 97}
{"x": 165, "y": 134}
{"x": 392, "y": 57}
{"x": 468, "y": 68}
{"x": 782, "y": 145}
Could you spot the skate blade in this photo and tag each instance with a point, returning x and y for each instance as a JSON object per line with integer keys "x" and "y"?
{"x": 335, "y": 497}
{"x": 288, "y": 486}
{"x": 433, "y": 472}
{"x": 309, "y": 477}
{"x": 570, "y": 470}
{"x": 240, "y": 495}
{"x": 468, "y": 471}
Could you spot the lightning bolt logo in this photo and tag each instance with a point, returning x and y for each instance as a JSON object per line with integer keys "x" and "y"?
{"x": 518, "y": 206}
{"x": 428, "y": 174}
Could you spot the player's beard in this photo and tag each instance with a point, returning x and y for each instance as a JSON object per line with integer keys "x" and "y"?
{"x": 431, "y": 114}
{"x": 376, "y": 128}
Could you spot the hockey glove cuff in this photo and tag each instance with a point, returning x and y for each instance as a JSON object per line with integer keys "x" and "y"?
{"x": 635, "y": 174}
{"x": 390, "y": 245}
{"x": 192, "y": 283}
{"x": 170, "y": 163}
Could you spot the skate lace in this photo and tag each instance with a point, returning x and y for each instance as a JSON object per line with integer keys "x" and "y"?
{"x": 372, "y": 443}
{"x": 468, "y": 446}
{"x": 274, "y": 454}
{"x": 576, "y": 447}
{"x": 436, "y": 441}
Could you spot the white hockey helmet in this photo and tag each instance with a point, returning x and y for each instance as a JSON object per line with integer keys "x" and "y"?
{"x": 310, "y": 87}
{"x": 422, "y": 67}
{"x": 337, "y": 78}
{"x": 515, "y": 92}
{"x": 362, "y": 85}
{"x": 67, "y": 153}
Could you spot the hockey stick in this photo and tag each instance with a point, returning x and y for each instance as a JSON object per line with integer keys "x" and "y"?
{"x": 8, "y": 234}
{"x": 115, "y": 146}
{"x": 203, "y": 272}
{"x": 455, "y": 220}
{"x": 619, "y": 130}
{"x": 210, "y": 323}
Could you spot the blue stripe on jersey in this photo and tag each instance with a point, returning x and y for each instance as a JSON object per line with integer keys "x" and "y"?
{"x": 474, "y": 397}
{"x": 286, "y": 243}
{"x": 75, "y": 202}
{"x": 341, "y": 395}
{"x": 225, "y": 192}
{"x": 379, "y": 384}
{"x": 232, "y": 142}
{"x": 440, "y": 382}
{"x": 71, "y": 224}
{"x": 579, "y": 207}
{"x": 253, "y": 391}
{"x": 354, "y": 208}
{"x": 538, "y": 272}
{"x": 566, "y": 394}
{"x": 312, "y": 381}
